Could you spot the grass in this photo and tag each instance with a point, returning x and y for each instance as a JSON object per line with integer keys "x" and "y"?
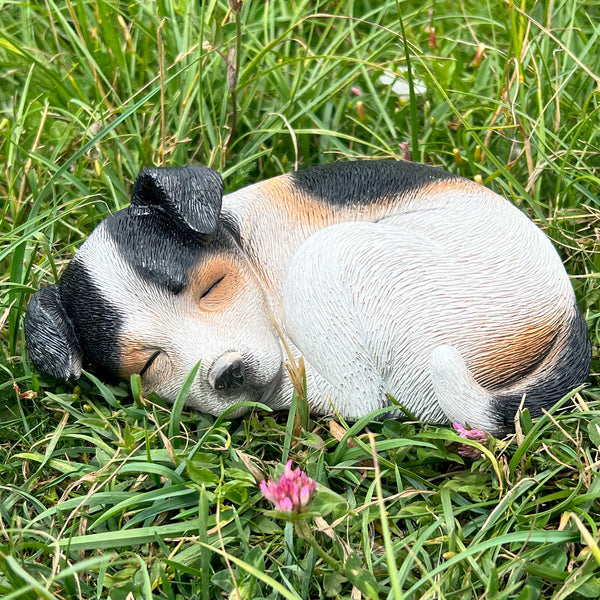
{"x": 106, "y": 494}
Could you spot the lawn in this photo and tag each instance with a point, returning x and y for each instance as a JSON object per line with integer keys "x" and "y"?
{"x": 107, "y": 494}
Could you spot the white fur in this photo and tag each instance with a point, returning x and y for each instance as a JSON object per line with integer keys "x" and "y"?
{"x": 460, "y": 397}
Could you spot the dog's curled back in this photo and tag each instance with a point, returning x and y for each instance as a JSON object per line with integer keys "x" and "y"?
{"x": 390, "y": 278}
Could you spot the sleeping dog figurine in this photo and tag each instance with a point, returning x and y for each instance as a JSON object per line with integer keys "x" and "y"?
{"x": 391, "y": 279}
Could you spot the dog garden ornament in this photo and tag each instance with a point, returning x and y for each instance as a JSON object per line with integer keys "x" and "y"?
{"x": 390, "y": 278}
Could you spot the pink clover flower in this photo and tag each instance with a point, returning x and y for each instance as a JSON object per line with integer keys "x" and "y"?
{"x": 292, "y": 493}
{"x": 470, "y": 434}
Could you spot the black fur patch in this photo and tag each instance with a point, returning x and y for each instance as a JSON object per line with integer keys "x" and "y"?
{"x": 155, "y": 247}
{"x": 159, "y": 250}
{"x": 95, "y": 321}
{"x": 364, "y": 182}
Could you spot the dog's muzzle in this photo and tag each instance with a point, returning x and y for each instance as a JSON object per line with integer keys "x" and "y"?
{"x": 227, "y": 373}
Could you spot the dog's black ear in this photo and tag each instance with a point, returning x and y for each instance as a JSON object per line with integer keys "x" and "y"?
{"x": 191, "y": 196}
{"x": 50, "y": 338}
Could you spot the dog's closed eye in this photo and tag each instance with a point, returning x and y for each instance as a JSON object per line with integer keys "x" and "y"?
{"x": 149, "y": 363}
{"x": 212, "y": 287}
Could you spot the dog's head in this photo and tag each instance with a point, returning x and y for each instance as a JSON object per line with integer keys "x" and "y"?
{"x": 157, "y": 288}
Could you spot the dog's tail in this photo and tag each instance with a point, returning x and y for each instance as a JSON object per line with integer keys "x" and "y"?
{"x": 466, "y": 402}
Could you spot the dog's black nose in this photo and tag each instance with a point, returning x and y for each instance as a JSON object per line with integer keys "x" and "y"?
{"x": 228, "y": 372}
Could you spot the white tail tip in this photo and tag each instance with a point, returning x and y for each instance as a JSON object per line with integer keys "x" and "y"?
{"x": 461, "y": 398}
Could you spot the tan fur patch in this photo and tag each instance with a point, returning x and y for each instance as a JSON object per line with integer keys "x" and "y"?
{"x": 215, "y": 282}
{"x": 295, "y": 209}
{"x": 134, "y": 356}
{"x": 511, "y": 356}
